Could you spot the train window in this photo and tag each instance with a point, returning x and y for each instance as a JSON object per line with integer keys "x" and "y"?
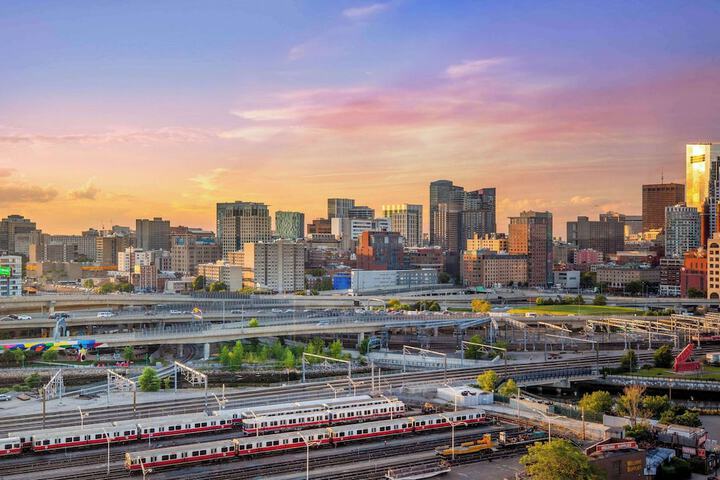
{"x": 165, "y": 457}
{"x": 171, "y": 428}
{"x": 276, "y": 442}
{"x": 285, "y": 441}
{"x": 293, "y": 421}
{"x": 183, "y": 455}
{"x": 342, "y": 434}
{"x": 283, "y": 422}
{"x": 8, "y": 446}
{"x": 195, "y": 453}
{"x": 98, "y": 436}
{"x": 173, "y": 456}
{"x": 273, "y": 423}
{"x": 153, "y": 459}
{"x": 248, "y": 446}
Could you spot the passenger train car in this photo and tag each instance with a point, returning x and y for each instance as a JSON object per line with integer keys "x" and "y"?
{"x": 333, "y": 435}
{"x": 184, "y": 425}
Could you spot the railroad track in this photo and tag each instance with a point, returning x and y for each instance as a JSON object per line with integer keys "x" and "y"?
{"x": 291, "y": 392}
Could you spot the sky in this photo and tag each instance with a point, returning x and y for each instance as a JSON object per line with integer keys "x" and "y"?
{"x": 112, "y": 111}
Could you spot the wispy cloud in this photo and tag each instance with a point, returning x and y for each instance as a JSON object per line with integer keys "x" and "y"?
{"x": 87, "y": 192}
{"x": 166, "y": 134}
{"x": 209, "y": 181}
{"x": 473, "y": 67}
{"x": 365, "y": 11}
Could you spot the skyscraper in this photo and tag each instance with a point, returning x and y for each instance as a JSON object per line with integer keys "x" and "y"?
{"x": 446, "y": 204}
{"x": 152, "y": 234}
{"x": 235, "y": 206}
{"x": 478, "y": 214}
{"x": 243, "y": 222}
{"x": 531, "y": 234}
{"x": 290, "y": 225}
{"x": 11, "y": 225}
{"x": 682, "y": 230}
{"x": 339, "y": 207}
{"x": 657, "y": 196}
{"x": 606, "y": 235}
{"x": 406, "y": 219}
{"x": 701, "y": 182}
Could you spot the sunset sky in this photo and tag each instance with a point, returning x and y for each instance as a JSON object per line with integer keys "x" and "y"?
{"x": 110, "y": 111}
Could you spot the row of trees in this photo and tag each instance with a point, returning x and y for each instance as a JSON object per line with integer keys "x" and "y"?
{"x": 474, "y": 352}
{"x": 286, "y": 356}
{"x": 634, "y": 404}
{"x": 395, "y": 305}
{"x": 489, "y": 379}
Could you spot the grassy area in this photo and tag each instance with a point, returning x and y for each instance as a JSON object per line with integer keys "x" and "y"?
{"x": 576, "y": 310}
{"x": 709, "y": 372}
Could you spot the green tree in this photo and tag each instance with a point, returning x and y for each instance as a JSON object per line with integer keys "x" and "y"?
{"x": 689, "y": 419}
{"x": 237, "y": 355}
{"x": 198, "y": 283}
{"x": 480, "y": 306}
{"x": 597, "y": 402}
{"x": 487, "y": 380}
{"x": 656, "y": 404}
{"x": 364, "y": 346}
{"x": 336, "y": 349}
{"x": 600, "y": 299}
{"x": 587, "y": 280}
{"x": 557, "y": 460}
{"x": 124, "y": 287}
{"x": 89, "y": 284}
{"x": 635, "y": 287}
{"x": 218, "y": 287}
{"x": 18, "y": 356}
{"x": 149, "y": 380}
{"x": 663, "y": 357}
{"x": 166, "y": 383}
{"x": 473, "y": 352}
{"x": 106, "y": 288}
{"x": 49, "y": 355}
{"x": 443, "y": 277}
{"x": 253, "y": 323}
{"x": 325, "y": 284}
{"x": 33, "y": 381}
{"x": 289, "y": 360}
{"x": 695, "y": 293}
{"x": 630, "y": 403}
{"x": 128, "y": 354}
{"x": 224, "y": 355}
{"x": 629, "y": 361}
{"x": 508, "y": 388}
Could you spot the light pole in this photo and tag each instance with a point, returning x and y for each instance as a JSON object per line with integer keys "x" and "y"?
{"x": 452, "y": 433}
{"x": 307, "y": 454}
{"x": 82, "y": 417}
{"x": 221, "y": 403}
{"x": 389, "y": 401}
{"x": 354, "y": 385}
{"x": 455, "y": 396}
{"x": 548, "y": 418}
{"x": 334, "y": 390}
{"x": 107, "y": 437}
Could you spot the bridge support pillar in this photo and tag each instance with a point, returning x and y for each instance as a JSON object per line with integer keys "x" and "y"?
{"x": 436, "y": 331}
{"x": 51, "y": 306}
{"x": 206, "y": 351}
{"x": 180, "y": 350}
{"x": 360, "y": 338}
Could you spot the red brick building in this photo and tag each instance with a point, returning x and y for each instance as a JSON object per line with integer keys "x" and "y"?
{"x": 380, "y": 251}
{"x": 693, "y": 273}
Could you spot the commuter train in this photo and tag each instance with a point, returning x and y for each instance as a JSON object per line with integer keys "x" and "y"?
{"x": 280, "y": 442}
{"x": 271, "y": 418}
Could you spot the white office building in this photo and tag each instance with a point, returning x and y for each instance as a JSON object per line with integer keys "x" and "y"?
{"x": 10, "y": 276}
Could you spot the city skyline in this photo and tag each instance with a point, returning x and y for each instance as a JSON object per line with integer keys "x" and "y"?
{"x": 102, "y": 121}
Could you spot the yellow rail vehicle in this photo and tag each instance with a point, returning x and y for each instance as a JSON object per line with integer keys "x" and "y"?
{"x": 466, "y": 448}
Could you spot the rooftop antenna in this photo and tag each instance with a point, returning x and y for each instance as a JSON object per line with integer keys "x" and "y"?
{"x": 662, "y": 176}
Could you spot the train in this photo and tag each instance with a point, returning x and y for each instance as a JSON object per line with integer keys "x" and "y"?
{"x": 267, "y": 419}
{"x": 486, "y": 444}
{"x": 286, "y": 441}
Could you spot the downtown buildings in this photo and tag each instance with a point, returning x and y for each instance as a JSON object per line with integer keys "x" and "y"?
{"x": 240, "y": 223}
{"x": 657, "y": 197}
{"x": 530, "y": 234}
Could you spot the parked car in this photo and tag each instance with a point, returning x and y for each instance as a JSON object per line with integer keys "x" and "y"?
{"x": 236, "y": 311}
{"x": 175, "y": 312}
{"x": 105, "y": 314}
{"x": 24, "y": 317}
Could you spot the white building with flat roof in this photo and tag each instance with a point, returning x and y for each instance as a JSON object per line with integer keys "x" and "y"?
{"x": 10, "y": 276}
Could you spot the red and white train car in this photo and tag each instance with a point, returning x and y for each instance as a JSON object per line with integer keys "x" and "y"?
{"x": 364, "y": 413}
{"x": 10, "y": 446}
{"x": 74, "y": 437}
{"x": 361, "y": 431}
{"x": 180, "y": 455}
{"x": 292, "y": 421}
{"x": 459, "y": 418}
{"x": 282, "y": 441}
{"x": 184, "y": 425}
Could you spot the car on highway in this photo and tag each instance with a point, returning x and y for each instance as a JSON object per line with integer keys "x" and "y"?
{"x": 105, "y": 314}
{"x": 58, "y": 315}
{"x": 24, "y": 317}
{"x": 236, "y": 311}
{"x": 176, "y": 312}
{"x": 4, "y": 397}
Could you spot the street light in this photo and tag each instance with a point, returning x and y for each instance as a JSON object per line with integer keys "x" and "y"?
{"x": 452, "y": 432}
{"x": 334, "y": 390}
{"x": 221, "y": 403}
{"x": 82, "y": 417}
{"x": 307, "y": 453}
{"x": 107, "y": 437}
{"x": 548, "y": 418}
{"x": 455, "y": 395}
{"x": 354, "y": 385}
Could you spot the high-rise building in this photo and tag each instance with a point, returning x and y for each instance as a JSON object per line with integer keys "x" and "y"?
{"x": 290, "y": 225}
{"x": 347, "y": 230}
{"x": 107, "y": 248}
{"x": 406, "y": 219}
{"x": 701, "y": 183}
{"x": 657, "y": 196}
{"x": 682, "y": 230}
{"x": 478, "y": 214}
{"x": 633, "y": 225}
{"x": 9, "y": 227}
{"x": 606, "y": 235}
{"x": 531, "y": 234}
{"x": 279, "y": 266}
{"x": 361, "y": 211}
{"x": 152, "y": 234}
{"x": 339, "y": 207}
{"x": 10, "y": 276}
{"x": 192, "y": 247}
{"x": 488, "y": 269}
{"x": 446, "y": 204}
{"x": 713, "y": 267}
{"x": 242, "y": 223}
{"x": 670, "y": 268}
{"x": 495, "y": 242}
{"x": 87, "y": 244}
{"x": 380, "y": 251}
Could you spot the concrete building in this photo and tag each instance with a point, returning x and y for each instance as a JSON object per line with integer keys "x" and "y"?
{"x": 361, "y": 211}
{"x": 319, "y": 226}
{"x": 682, "y": 230}
{"x": 65, "y": 271}
{"x": 152, "y": 234}
{"x": 567, "y": 279}
{"x": 279, "y": 266}
{"x": 563, "y": 252}
{"x": 237, "y": 208}
{"x": 670, "y": 268}
{"x": 131, "y": 257}
{"x": 406, "y": 219}
{"x": 11, "y": 276}
{"x": 290, "y": 225}
{"x": 380, "y": 251}
{"x": 145, "y": 278}
{"x": 478, "y": 214}
{"x": 425, "y": 257}
{"x": 446, "y": 205}
{"x": 87, "y": 245}
{"x": 221, "y": 271}
{"x": 693, "y": 274}
{"x": 495, "y": 242}
{"x": 531, "y": 234}
{"x": 587, "y": 256}
{"x": 339, "y": 207}
{"x": 655, "y": 199}
{"x": 323, "y": 251}
{"x": 244, "y": 223}
{"x": 606, "y": 235}
{"x": 9, "y": 227}
{"x": 107, "y": 248}
{"x": 188, "y": 250}
{"x": 348, "y": 230}
{"x": 618, "y": 276}
{"x": 368, "y": 281}
{"x": 488, "y": 269}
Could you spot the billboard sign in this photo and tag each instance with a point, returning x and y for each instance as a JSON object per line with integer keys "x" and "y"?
{"x": 5, "y": 271}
